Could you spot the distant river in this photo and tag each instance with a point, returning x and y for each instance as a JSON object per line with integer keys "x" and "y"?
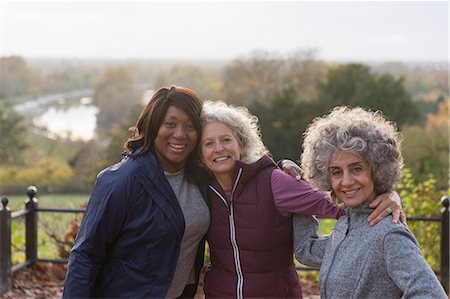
{"x": 67, "y": 115}
{"x": 75, "y": 122}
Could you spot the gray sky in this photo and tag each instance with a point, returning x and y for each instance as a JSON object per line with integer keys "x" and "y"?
{"x": 356, "y": 30}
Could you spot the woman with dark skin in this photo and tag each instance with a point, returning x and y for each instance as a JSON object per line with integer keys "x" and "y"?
{"x": 143, "y": 232}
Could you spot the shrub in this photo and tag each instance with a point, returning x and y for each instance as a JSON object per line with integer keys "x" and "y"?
{"x": 423, "y": 199}
{"x": 47, "y": 173}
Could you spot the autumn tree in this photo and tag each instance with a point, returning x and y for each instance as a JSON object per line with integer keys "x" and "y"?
{"x": 119, "y": 134}
{"x": 283, "y": 121}
{"x": 16, "y": 78}
{"x": 203, "y": 79}
{"x": 302, "y": 73}
{"x": 69, "y": 75}
{"x": 255, "y": 78}
{"x": 425, "y": 82}
{"x": 260, "y": 76}
{"x": 355, "y": 85}
{"x": 48, "y": 173}
{"x": 426, "y": 149}
{"x": 88, "y": 162}
{"x": 114, "y": 95}
{"x": 12, "y": 132}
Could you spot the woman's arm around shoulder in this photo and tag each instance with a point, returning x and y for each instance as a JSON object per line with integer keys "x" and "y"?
{"x": 292, "y": 196}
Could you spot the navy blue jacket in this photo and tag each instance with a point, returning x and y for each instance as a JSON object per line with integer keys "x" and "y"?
{"x": 129, "y": 240}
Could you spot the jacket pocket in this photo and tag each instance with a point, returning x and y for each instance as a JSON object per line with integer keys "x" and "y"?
{"x": 141, "y": 260}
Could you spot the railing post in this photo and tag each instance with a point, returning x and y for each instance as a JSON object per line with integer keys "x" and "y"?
{"x": 31, "y": 218}
{"x": 445, "y": 244}
{"x": 5, "y": 247}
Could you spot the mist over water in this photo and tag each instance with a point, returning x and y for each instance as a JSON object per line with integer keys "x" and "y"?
{"x": 68, "y": 115}
{"x": 75, "y": 123}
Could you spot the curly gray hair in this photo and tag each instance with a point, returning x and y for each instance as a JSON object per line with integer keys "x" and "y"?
{"x": 243, "y": 124}
{"x": 366, "y": 133}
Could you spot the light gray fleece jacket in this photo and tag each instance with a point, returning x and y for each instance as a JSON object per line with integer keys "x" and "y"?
{"x": 359, "y": 261}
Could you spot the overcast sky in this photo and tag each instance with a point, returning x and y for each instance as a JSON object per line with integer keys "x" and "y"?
{"x": 356, "y": 30}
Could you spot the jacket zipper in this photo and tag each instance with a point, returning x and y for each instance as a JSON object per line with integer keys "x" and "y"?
{"x": 334, "y": 257}
{"x": 237, "y": 260}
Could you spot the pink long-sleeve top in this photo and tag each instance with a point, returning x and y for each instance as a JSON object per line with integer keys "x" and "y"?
{"x": 298, "y": 197}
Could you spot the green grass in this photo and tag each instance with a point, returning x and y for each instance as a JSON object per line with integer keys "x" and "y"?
{"x": 326, "y": 225}
{"x": 53, "y": 228}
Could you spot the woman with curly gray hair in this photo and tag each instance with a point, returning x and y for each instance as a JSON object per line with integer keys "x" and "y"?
{"x": 251, "y": 202}
{"x": 355, "y": 154}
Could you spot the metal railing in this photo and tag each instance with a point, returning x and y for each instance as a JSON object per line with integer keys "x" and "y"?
{"x": 31, "y": 245}
{"x": 30, "y": 213}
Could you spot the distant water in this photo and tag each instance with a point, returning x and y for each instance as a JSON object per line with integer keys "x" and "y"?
{"x": 67, "y": 115}
{"x": 75, "y": 123}
{"x": 41, "y": 103}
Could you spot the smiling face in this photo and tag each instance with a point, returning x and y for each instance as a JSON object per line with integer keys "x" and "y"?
{"x": 176, "y": 139}
{"x": 351, "y": 178}
{"x": 220, "y": 150}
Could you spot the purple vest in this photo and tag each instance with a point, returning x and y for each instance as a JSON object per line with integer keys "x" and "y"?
{"x": 250, "y": 242}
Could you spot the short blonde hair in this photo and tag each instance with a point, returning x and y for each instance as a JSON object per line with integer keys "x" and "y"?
{"x": 366, "y": 133}
{"x": 243, "y": 124}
